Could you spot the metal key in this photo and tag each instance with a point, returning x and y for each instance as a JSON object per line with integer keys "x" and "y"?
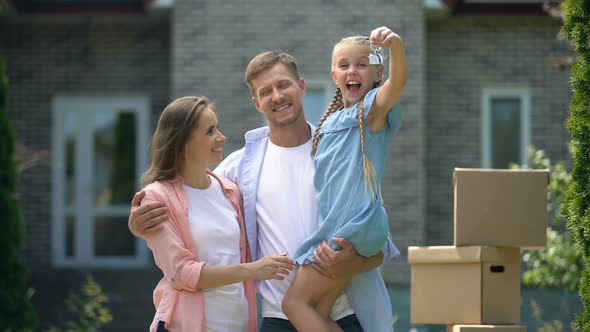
{"x": 375, "y": 55}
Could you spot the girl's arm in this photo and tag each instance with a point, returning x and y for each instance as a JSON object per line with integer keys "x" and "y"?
{"x": 391, "y": 90}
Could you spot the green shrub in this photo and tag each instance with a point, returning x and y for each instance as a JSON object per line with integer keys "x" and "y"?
{"x": 576, "y": 209}
{"x": 16, "y": 310}
{"x": 560, "y": 264}
{"x": 87, "y": 308}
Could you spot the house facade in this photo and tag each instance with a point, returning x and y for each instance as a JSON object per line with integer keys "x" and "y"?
{"x": 88, "y": 82}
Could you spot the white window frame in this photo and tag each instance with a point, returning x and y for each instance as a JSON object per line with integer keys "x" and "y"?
{"x": 84, "y": 232}
{"x": 488, "y": 95}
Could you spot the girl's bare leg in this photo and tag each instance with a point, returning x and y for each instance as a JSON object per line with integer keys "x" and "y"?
{"x": 310, "y": 298}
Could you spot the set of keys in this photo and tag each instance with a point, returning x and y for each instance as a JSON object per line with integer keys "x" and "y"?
{"x": 376, "y": 55}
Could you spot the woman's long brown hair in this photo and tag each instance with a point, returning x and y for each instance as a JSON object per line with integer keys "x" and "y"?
{"x": 176, "y": 123}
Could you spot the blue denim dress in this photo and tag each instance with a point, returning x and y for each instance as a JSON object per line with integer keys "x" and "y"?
{"x": 347, "y": 209}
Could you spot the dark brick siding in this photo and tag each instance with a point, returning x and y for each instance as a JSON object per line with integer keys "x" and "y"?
{"x": 96, "y": 56}
{"x": 466, "y": 55}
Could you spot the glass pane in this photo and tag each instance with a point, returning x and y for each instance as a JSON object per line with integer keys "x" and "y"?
{"x": 114, "y": 148}
{"x": 70, "y": 235}
{"x": 70, "y": 159}
{"x": 112, "y": 237}
{"x": 506, "y": 145}
{"x": 313, "y": 106}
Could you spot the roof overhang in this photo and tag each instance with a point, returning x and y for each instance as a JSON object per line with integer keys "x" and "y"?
{"x": 86, "y": 7}
{"x": 498, "y": 7}
{"x": 7, "y": 8}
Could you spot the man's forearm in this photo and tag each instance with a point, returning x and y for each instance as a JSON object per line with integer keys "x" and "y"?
{"x": 366, "y": 264}
{"x": 345, "y": 262}
{"x": 373, "y": 262}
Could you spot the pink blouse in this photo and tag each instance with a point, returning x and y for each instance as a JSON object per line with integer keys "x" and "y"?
{"x": 178, "y": 301}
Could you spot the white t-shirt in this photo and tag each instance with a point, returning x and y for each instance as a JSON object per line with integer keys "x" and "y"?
{"x": 216, "y": 233}
{"x": 287, "y": 214}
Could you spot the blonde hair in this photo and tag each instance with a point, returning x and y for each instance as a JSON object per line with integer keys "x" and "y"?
{"x": 265, "y": 61}
{"x": 336, "y": 103}
{"x": 175, "y": 126}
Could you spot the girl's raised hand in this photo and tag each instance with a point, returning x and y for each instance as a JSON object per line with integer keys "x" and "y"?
{"x": 384, "y": 37}
{"x": 271, "y": 267}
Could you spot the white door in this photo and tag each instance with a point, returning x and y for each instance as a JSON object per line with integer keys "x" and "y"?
{"x": 99, "y": 152}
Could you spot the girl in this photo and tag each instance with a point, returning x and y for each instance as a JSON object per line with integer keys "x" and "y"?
{"x": 208, "y": 284}
{"x": 350, "y": 146}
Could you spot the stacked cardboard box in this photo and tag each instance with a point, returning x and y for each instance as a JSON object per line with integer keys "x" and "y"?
{"x": 474, "y": 285}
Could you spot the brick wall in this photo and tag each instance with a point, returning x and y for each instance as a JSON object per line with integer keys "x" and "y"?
{"x": 466, "y": 54}
{"x": 49, "y": 56}
{"x": 214, "y": 41}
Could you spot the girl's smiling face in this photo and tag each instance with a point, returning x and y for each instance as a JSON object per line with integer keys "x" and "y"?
{"x": 353, "y": 73}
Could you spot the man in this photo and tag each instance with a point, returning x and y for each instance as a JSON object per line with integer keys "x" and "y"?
{"x": 275, "y": 174}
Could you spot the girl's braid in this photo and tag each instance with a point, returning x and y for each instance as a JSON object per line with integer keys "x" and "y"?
{"x": 334, "y": 106}
{"x": 368, "y": 170}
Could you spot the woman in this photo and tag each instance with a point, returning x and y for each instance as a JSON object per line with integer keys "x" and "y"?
{"x": 208, "y": 282}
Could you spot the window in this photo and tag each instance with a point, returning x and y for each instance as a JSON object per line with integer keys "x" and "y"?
{"x": 99, "y": 151}
{"x": 505, "y": 127}
{"x": 316, "y": 100}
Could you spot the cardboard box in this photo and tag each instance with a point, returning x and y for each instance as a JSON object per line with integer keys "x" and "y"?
{"x": 465, "y": 285}
{"x": 500, "y": 208}
{"x": 486, "y": 328}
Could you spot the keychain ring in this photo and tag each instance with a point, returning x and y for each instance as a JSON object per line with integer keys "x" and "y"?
{"x": 375, "y": 55}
